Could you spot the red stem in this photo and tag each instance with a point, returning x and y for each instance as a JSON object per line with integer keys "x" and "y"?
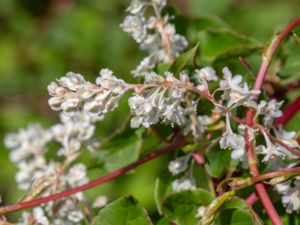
{"x": 251, "y": 199}
{"x": 260, "y": 189}
{"x": 288, "y": 113}
{"x": 178, "y": 142}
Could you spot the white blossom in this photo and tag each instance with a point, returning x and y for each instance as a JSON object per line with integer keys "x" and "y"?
{"x": 159, "y": 103}
{"x": 136, "y": 6}
{"x": 204, "y": 75}
{"x": 72, "y": 131}
{"x": 233, "y": 141}
{"x": 135, "y": 25}
{"x": 287, "y": 137}
{"x": 270, "y": 110}
{"x": 234, "y": 92}
{"x": 290, "y": 192}
{"x": 179, "y": 165}
{"x": 100, "y": 202}
{"x": 200, "y": 211}
{"x": 40, "y": 217}
{"x": 153, "y": 33}
{"x": 270, "y": 150}
{"x": 185, "y": 183}
{"x": 72, "y": 93}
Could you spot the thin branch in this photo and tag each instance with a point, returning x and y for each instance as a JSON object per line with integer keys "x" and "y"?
{"x": 252, "y": 161}
{"x": 251, "y": 199}
{"x": 179, "y": 141}
{"x": 279, "y": 173}
{"x": 247, "y": 66}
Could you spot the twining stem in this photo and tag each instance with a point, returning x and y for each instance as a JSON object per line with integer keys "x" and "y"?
{"x": 178, "y": 142}
{"x": 253, "y": 197}
{"x": 252, "y": 161}
{"x": 289, "y": 172}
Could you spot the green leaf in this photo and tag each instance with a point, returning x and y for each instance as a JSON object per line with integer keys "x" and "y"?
{"x": 162, "y": 188}
{"x": 230, "y": 208}
{"x": 234, "y": 203}
{"x": 124, "y": 211}
{"x": 291, "y": 68}
{"x": 162, "y": 68}
{"x": 218, "y": 161}
{"x": 120, "y": 152}
{"x": 163, "y": 221}
{"x": 216, "y": 45}
{"x": 163, "y": 184}
{"x": 234, "y": 217}
{"x": 206, "y": 22}
{"x": 182, "y": 207}
{"x": 183, "y": 60}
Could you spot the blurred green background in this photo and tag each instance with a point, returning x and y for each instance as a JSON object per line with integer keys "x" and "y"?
{"x": 41, "y": 40}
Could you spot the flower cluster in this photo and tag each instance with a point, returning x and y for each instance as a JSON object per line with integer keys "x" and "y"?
{"x": 290, "y": 191}
{"x": 72, "y": 92}
{"x": 28, "y": 149}
{"x": 235, "y": 93}
{"x": 72, "y": 131}
{"x": 270, "y": 110}
{"x": 154, "y": 34}
{"x": 163, "y": 102}
{"x": 41, "y": 177}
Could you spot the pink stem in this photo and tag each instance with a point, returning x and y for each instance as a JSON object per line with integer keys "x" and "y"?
{"x": 178, "y": 142}
{"x": 251, "y": 199}
{"x": 260, "y": 189}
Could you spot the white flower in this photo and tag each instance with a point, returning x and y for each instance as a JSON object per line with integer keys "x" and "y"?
{"x": 270, "y": 150}
{"x": 74, "y": 129}
{"x": 235, "y": 93}
{"x": 146, "y": 65}
{"x": 135, "y": 25}
{"x": 270, "y": 110}
{"x": 73, "y": 93}
{"x": 147, "y": 110}
{"x": 179, "y": 165}
{"x": 39, "y": 216}
{"x": 100, "y": 202}
{"x": 153, "y": 33}
{"x": 206, "y": 74}
{"x": 200, "y": 211}
{"x": 77, "y": 175}
{"x": 185, "y": 183}
{"x": 292, "y": 200}
{"x": 136, "y": 6}
{"x": 233, "y": 141}
{"x": 174, "y": 114}
{"x": 288, "y": 138}
{"x": 75, "y": 216}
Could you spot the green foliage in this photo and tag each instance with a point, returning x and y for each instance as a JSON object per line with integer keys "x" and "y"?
{"x": 183, "y": 60}
{"x": 124, "y": 211}
{"x": 218, "y": 161}
{"x": 182, "y": 207}
{"x": 223, "y": 44}
{"x": 120, "y": 152}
